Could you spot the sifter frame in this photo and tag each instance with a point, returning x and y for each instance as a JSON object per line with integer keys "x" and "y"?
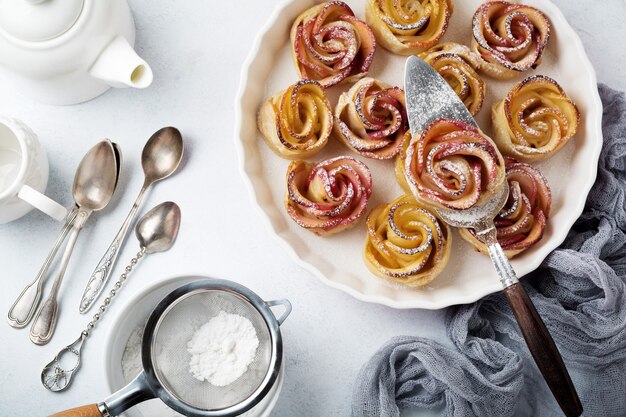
{"x": 263, "y": 307}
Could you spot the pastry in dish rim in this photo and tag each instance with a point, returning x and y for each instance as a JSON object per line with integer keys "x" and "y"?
{"x": 510, "y": 38}
{"x": 331, "y": 45}
{"x": 297, "y": 122}
{"x": 408, "y": 27}
{"x": 535, "y": 119}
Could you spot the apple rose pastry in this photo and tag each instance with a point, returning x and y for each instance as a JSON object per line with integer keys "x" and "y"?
{"x": 329, "y": 196}
{"x": 330, "y": 45}
{"x": 457, "y": 64}
{"x": 371, "y": 119}
{"x": 406, "y": 242}
{"x": 535, "y": 119}
{"x": 297, "y": 122}
{"x": 453, "y": 165}
{"x": 510, "y": 38}
{"x": 407, "y": 27}
{"x": 521, "y": 221}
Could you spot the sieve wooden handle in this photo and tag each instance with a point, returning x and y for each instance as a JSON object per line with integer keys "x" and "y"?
{"x": 90, "y": 410}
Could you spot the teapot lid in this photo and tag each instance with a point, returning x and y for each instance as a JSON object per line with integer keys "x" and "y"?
{"x": 38, "y": 20}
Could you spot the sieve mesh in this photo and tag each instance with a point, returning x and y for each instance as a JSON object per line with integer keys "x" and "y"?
{"x": 170, "y": 357}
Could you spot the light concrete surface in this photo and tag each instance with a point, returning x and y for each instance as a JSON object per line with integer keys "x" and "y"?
{"x": 196, "y": 50}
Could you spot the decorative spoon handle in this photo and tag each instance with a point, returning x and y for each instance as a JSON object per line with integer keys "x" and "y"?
{"x": 26, "y": 304}
{"x": 101, "y": 274}
{"x": 537, "y": 337}
{"x": 56, "y": 378}
{"x": 57, "y": 375}
{"x": 43, "y": 327}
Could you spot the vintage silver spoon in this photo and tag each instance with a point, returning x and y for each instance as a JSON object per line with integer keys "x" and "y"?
{"x": 161, "y": 156}
{"x": 428, "y": 98}
{"x": 23, "y": 309}
{"x": 94, "y": 184}
{"x": 156, "y": 232}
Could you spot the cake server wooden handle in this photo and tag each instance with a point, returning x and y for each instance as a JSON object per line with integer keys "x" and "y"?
{"x": 538, "y": 338}
{"x": 544, "y": 350}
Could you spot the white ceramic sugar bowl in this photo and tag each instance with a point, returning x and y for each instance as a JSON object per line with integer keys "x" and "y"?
{"x": 68, "y": 51}
{"x": 23, "y": 173}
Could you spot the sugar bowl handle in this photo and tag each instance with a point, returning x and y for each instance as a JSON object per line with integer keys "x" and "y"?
{"x": 42, "y": 203}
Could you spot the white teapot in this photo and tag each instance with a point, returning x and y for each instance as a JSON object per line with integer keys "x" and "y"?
{"x": 69, "y": 51}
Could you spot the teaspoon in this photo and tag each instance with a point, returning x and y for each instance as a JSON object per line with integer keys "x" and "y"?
{"x": 156, "y": 231}
{"x": 94, "y": 184}
{"x": 161, "y": 156}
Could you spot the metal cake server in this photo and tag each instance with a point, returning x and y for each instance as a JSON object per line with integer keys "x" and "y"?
{"x": 160, "y": 158}
{"x": 156, "y": 231}
{"x": 428, "y": 98}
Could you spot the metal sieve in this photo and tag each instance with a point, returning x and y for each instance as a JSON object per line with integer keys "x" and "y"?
{"x": 166, "y": 360}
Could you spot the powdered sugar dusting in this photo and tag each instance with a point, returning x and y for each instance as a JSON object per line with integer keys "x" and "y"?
{"x": 222, "y": 349}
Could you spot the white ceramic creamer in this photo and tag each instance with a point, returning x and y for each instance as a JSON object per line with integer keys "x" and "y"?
{"x": 69, "y": 51}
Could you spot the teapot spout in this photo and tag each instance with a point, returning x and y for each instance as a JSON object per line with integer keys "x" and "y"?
{"x": 119, "y": 66}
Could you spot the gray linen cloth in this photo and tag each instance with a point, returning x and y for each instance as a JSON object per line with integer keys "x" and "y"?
{"x": 579, "y": 290}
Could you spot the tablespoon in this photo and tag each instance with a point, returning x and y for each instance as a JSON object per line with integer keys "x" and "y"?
{"x": 161, "y": 156}
{"x": 156, "y": 231}
{"x": 429, "y": 98}
{"x": 94, "y": 184}
{"x": 26, "y": 304}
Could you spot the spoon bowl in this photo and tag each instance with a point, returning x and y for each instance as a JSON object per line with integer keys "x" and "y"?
{"x": 162, "y": 154}
{"x": 97, "y": 176}
{"x": 157, "y": 229}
